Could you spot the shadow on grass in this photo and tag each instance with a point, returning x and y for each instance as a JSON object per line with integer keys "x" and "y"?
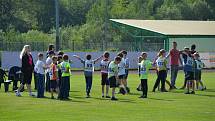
{"x": 209, "y": 90}
{"x": 160, "y": 99}
{"x": 205, "y": 95}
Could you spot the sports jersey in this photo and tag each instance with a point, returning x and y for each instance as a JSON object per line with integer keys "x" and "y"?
{"x": 112, "y": 69}
{"x": 53, "y": 72}
{"x": 121, "y": 66}
{"x": 63, "y": 67}
{"x": 198, "y": 64}
{"x": 104, "y": 66}
{"x": 188, "y": 62}
{"x": 161, "y": 63}
{"x": 145, "y": 65}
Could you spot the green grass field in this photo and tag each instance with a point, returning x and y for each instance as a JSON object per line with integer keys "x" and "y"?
{"x": 171, "y": 106}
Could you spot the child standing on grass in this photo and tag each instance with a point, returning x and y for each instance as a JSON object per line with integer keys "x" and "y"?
{"x": 161, "y": 64}
{"x": 126, "y": 60}
{"x": 65, "y": 80}
{"x": 48, "y": 63}
{"x": 198, "y": 71}
{"x": 104, "y": 74}
{"x": 121, "y": 75}
{"x": 145, "y": 65}
{"x": 139, "y": 88}
{"x": 40, "y": 70}
{"x": 188, "y": 64}
{"x": 53, "y": 76}
{"x": 88, "y": 71}
{"x": 113, "y": 75}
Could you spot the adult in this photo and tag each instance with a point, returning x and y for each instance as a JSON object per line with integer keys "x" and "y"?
{"x": 27, "y": 69}
{"x": 174, "y": 55}
{"x": 193, "y": 49}
{"x": 50, "y": 48}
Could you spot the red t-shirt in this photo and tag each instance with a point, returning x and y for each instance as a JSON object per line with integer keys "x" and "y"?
{"x": 174, "y": 57}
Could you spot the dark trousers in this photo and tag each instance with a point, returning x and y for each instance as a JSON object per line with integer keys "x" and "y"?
{"x": 144, "y": 86}
{"x": 48, "y": 86}
{"x": 64, "y": 88}
{"x": 89, "y": 80}
{"x": 40, "y": 85}
{"x": 35, "y": 80}
{"x": 161, "y": 78}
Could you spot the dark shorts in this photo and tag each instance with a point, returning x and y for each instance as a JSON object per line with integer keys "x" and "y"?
{"x": 198, "y": 75}
{"x": 189, "y": 75}
{"x": 53, "y": 84}
{"x": 105, "y": 80}
{"x": 27, "y": 77}
{"x": 122, "y": 77}
{"x": 113, "y": 82}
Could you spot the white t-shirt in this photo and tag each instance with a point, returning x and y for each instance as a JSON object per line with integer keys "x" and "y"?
{"x": 88, "y": 65}
{"x": 126, "y": 63}
{"x": 48, "y": 63}
{"x": 121, "y": 66}
{"x": 39, "y": 67}
{"x": 104, "y": 66}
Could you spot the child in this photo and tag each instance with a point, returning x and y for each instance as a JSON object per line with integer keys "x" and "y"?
{"x": 161, "y": 64}
{"x": 126, "y": 69}
{"x": 145, "y": 65}
{"x": 65, "y": 80}
{"x": 104, "y": 74}
{"x": 53, "y": 74}
{"x": 48, "y": 63}
{"x": 112, "y": 75}
{"x": 60, "y": 60}
{"x": 40, "y": 70}
{"x": 198, "y": 67}
{"x": 121, "y": 75}
{"x": 139, "y": 88}
{"x": 88, "y": 71}
{"x": 188, "y": 64}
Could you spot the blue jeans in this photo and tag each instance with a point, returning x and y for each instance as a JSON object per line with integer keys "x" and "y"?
{"x": 89, "y": 80}
{"x": 174, "y": 73}
{"x": 40, "y": 85}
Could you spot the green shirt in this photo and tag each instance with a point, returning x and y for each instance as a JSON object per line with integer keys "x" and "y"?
{"x": 112, "y": 69}
{"x": 64, "y": 66}
{"x": 145, "y": 65}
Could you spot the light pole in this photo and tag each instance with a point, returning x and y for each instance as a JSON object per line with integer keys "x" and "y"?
{"x": 106, "y": 24}
{"x": 57, "y": 39}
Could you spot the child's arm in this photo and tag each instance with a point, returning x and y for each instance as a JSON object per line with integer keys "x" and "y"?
{"x": 78, "y": 57}
{"x": 97, "y": 59}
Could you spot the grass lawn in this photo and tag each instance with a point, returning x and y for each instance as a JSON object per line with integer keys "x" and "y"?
{"x": 171, "y": 106}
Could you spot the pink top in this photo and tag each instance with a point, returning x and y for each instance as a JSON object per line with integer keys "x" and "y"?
{"x": 174, "y": 57}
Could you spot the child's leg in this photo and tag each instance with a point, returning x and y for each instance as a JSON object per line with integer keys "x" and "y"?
{"x": 113, "y": 92}
{"x": 87, "y": 84}
{"x": 188, "y": 86}
{"x": 107, "y": 89}
{"x": 193, "y": 85}
{"x": 90, "y": 84}
{"x": 103, "y": 90}
{"x": 169, "y": 84}
{"x": 52, "y": 91}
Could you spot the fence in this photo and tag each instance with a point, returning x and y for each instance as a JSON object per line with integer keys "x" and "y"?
{"x": 74, "y": 46}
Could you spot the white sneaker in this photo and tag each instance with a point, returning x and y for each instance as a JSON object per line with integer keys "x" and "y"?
{"x": 18, "y": 94}
{"x": 31, "y": 94}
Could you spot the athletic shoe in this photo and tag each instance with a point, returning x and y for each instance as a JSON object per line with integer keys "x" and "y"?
{"x": 122, "y": 91}
{"x": 52, "y": 97}
{"x": 139, "y": 89}
{"x": 153, "y": 90}
{"x": 32, "y": 94}
{"x": 103, "y": 96}
{"x": 143, "y": 96}
{"x": 88, "y": 96}
{"x": 114, "y": 99}
{"x": 18, "y": 94}
{"x": 128, "y": 89}
{"x": 107, "y": 97}
{"x": 187, "y": 93}
{"x": 164, "y": 90}
{"x": 193, "y": 92}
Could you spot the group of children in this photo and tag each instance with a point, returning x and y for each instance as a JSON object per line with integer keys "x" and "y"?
{"x": 113, "y": 73}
